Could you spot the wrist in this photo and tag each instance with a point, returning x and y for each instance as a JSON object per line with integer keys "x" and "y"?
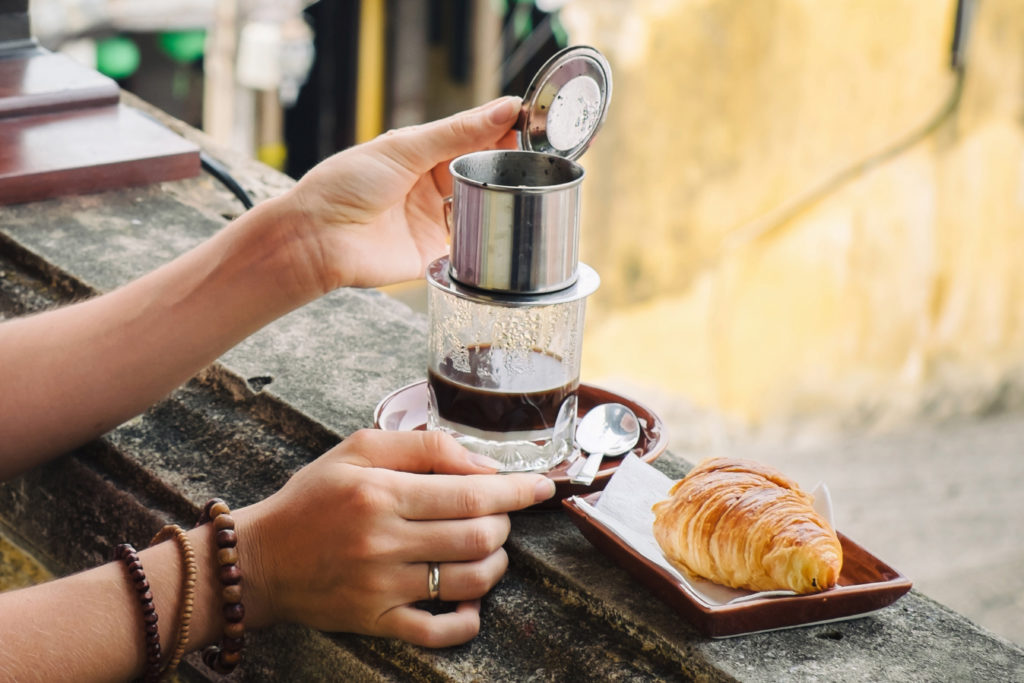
{"x": 258, "y": 595}
{"x": 274, "y": 243}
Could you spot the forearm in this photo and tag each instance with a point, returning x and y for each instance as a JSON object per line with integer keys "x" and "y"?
{"x": 88, "y": 627}
{"x": 71, "y": 374}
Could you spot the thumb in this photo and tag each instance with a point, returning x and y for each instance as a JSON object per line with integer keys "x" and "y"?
{"x": 420, "y": 148}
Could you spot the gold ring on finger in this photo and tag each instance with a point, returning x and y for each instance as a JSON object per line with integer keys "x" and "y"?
{"x": 434, "y": 580}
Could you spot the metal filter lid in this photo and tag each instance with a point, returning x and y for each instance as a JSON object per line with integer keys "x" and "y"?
{"x": 566, "y": 103}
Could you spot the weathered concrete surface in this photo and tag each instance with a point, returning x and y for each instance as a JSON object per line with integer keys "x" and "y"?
{"x": 564, "y": 612}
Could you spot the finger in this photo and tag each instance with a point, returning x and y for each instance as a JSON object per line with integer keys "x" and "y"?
{"x": 463, "y": 497}
{"x": 420, "y": 627}
{"x": 508, "y": 141}
{"x": 471, "y": 580}
{"x": 420, "y": 148}
{"x": 455, "y": 540}
{"x": 459, "y": 580}
{"x": 443, "y": 177}
{"x": 419, "y": 451}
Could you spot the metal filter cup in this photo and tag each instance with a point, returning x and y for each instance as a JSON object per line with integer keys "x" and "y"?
{"x": 515, "y": 221}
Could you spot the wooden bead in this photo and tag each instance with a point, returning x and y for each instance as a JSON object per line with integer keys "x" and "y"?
{"x": 219, "y": 507}
{"x": 226, "y": 538}
{"x": 189, "y": 574}
{"x": 223, "y": 659}
{"x": 234, "y": 629}
{"x": 230, "y": 574}
{"x": 232, "y": 594}
{"x": 151, "y": 632}
{"x": 227, "y": 556}
{"x": 234, "y": 613}
{"x": 233, "y": 644}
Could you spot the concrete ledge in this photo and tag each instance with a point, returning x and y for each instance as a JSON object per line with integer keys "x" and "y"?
{"x": 563, "y": 612}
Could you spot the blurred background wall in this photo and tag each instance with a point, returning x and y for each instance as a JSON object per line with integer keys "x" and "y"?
{"x": 803, "y": 212}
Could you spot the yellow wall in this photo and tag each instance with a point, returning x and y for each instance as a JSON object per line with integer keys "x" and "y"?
{"x": 899, "y": 292}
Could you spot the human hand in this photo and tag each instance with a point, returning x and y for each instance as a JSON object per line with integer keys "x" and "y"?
{"x": 373, "y": 214}
{"x": 345, "y": 544}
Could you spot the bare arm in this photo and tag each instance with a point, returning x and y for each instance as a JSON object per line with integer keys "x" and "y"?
{"x": 88, "y": 627}
{"x": 72, "y": 374}
{"x": 76, "y": 372}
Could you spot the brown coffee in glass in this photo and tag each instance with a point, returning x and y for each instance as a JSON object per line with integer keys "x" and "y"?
{"x": 502, "y": 373}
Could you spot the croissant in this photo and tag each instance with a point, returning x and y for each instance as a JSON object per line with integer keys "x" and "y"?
{"x": 743, "y": 524}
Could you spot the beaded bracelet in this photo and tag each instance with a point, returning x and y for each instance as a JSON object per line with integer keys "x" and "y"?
{"x": 126, "y": 554}
{"x": 188, "y": 585}
{"x": 225, "y": 657}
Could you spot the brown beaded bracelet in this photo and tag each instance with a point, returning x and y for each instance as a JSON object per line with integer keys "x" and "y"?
{"x": 188, "y": 584}
{"x": 127, "y": 554}
{"x": 223, "y": 658}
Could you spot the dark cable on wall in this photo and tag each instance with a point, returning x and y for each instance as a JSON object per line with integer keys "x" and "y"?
{"x": 220, "y": 172}
{"x": 961, "y": 30}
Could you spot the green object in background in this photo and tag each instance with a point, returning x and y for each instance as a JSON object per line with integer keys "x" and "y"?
{"x": 183, "y": 46}
{"x": 117, "y": 57}
{"x": 558, "y": 31}
{"x": 522, "y": 19}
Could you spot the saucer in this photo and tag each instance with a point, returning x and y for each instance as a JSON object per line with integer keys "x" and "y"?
{"x": 406, "y": 410}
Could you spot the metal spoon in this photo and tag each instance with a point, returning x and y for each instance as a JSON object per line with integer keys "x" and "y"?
{"x": 608, "y": 429}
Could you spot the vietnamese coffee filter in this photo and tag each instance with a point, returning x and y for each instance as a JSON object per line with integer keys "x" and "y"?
{"x": 515, "y": 221}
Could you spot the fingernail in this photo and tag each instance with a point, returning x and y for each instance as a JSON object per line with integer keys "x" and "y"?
{"x": 484, "y": 461}
{"x": 544, "y": 489}
{"x": 504, "y": 110}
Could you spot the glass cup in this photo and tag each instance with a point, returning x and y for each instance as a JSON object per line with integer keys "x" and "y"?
{"x": 503, "y": 371}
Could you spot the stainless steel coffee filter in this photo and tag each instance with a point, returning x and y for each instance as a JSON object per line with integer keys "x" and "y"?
{"x": 515, "y": 221}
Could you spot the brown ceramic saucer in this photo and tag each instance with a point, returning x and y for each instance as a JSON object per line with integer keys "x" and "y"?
{"x": 865, "y": 584}
{"x": 406, "y": 410}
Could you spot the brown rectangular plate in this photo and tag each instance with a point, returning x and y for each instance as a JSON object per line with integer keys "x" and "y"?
{"x": 88, "y": 150}
{"x": 866, "y": 584}
{"x": 37, "y": 81}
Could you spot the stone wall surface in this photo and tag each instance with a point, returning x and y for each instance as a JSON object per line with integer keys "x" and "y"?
{"x": 564, "y": 611}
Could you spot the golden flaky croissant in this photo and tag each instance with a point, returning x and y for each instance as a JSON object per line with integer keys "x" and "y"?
{"x": 746, "y": 525}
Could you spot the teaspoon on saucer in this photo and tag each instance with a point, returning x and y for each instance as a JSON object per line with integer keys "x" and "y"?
{"x": 610, "y": 429}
